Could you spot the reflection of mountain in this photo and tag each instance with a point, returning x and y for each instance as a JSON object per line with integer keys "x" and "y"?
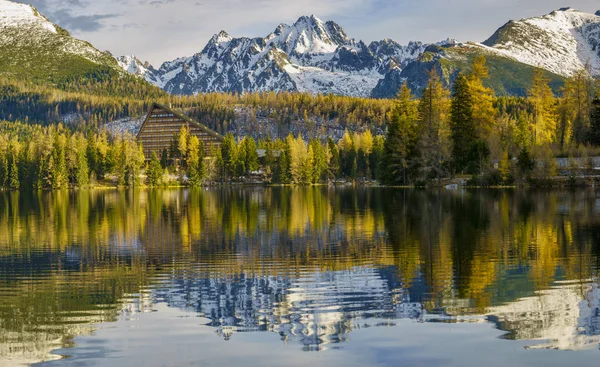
{"x": 563, "y": 317}
{"x": 313, "y": 308}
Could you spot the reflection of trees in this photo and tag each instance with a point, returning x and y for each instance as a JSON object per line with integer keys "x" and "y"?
{"x": 246, "y": 252}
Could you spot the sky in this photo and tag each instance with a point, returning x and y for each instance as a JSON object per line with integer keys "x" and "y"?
{"x": 162, "y": 30}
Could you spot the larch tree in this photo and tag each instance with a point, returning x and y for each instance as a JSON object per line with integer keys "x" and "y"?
{"x": 484, "y": 111}
{"x": 544, "y": 109}
{"x": 434, "y": 108}
{"x": 575, "y": 109}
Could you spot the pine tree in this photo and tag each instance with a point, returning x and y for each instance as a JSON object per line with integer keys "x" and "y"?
{"x": 462, "y": 125}
{"x": 229, "y": 154}
{"x": 252, "y": 163}
{"x": 154, "y": 172}
{"x": 594, "y": 134}
{"x": 334, "y": 159}
{"x": 283, "y": 169}
{"x": 13, "y": 175}
{"x": 399, "y": 150}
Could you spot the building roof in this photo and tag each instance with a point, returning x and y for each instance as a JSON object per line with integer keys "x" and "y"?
{"x": 182, "y": 116}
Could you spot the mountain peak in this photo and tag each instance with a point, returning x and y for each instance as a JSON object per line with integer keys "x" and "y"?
{"x": 221, "y": 37}
{"x": 21, "y": 15}
{"x": 313, "y": 19}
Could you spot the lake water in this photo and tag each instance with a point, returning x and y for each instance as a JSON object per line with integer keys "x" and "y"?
{"x": 300, "y": 277}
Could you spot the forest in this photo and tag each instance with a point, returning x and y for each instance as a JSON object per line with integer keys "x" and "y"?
{"x": 467, "y": 131}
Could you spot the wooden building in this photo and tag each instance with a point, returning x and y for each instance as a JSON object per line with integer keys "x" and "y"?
{"x": 163, "y": 124}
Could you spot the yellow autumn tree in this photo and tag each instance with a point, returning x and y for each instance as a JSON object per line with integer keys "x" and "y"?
{"x": 544, "y": 109}
{"x": 484, "y": 98}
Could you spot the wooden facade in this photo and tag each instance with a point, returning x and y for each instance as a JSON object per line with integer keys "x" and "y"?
{"x": 163, "y": 124}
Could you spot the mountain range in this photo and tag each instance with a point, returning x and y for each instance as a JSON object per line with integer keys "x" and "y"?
{"x": 310, "y": 56}
{"x": 319, "y": 57}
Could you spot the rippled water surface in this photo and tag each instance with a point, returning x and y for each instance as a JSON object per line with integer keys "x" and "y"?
{"x": 300, "y": 277}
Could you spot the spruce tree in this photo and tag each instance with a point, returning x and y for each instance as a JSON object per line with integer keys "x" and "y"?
{"x": 154, "y": 172}
{"x": 334, "y": 159}
{"x": 252, "y": 163}
{"x": 594, "y": 134}
{"x": 229, "y": 155}
{"x": 399, "y": 150}
{"x": 13, "y": 174}
{"x": 462, "y": 125}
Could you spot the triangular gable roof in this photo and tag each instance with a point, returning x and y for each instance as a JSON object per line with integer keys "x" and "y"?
{"x": 181, "y": 116}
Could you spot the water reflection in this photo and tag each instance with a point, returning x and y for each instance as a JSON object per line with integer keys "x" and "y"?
{"x": 311, "y": 265}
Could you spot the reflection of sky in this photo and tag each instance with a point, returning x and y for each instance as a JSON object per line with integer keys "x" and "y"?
{"x": 186, "y": 341}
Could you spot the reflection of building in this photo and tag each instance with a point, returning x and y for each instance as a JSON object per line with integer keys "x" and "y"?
{"x": 565, "y": 317}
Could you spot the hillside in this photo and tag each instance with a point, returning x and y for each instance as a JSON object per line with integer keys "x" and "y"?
{"x": 34, "y": 49}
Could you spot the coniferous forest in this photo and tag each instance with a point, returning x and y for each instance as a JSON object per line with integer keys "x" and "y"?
{"x": 412, "y": 140}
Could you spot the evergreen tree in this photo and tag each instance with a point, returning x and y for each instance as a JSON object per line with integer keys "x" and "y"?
{"x": 283, "y": 170}
{"x": 13, "y": 174}
{"x": 434, "y": 109}
{"x": 164, "y": 158}
{"x": 319, "y": 159}
{"x": 229, "y": 155}
{"x": 462, "y": 125}
{"x": 334, "y": 159}
{"x": 154, "y": 172}
{"x": 399, "y": 150}
{"x": 594, "y": 134}
{"x": 251, "y": 154}
{"x": 376, "y": 158}
{"x": 241, "y": 168}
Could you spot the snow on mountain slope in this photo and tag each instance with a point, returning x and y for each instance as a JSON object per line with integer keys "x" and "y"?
{"x": 309, "y": 56}
{"x": 18, "y": 15}
{"x": 134, "y": 66}
{"x": 318, "y": 57}
{"x": 563, "y": 42}
{"x": 28, "y": 39}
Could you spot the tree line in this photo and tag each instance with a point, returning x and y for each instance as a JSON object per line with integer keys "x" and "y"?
{"x": 498, "y": 140}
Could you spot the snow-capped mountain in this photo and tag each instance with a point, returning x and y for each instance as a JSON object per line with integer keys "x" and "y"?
{"x": 308, "y": 56}
{"x": 319, "y": 57}
{"x": 563, "y": 42}
{"x": 33, "y": 48}
{"x": 22, "y": 26}
{"x": 134, "y": 66}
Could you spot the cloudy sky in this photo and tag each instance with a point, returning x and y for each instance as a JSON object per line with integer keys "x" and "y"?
{"x": 160, "y": 30}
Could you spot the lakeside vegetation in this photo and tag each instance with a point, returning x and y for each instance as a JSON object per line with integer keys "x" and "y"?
{"x": 468, "y": 131}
